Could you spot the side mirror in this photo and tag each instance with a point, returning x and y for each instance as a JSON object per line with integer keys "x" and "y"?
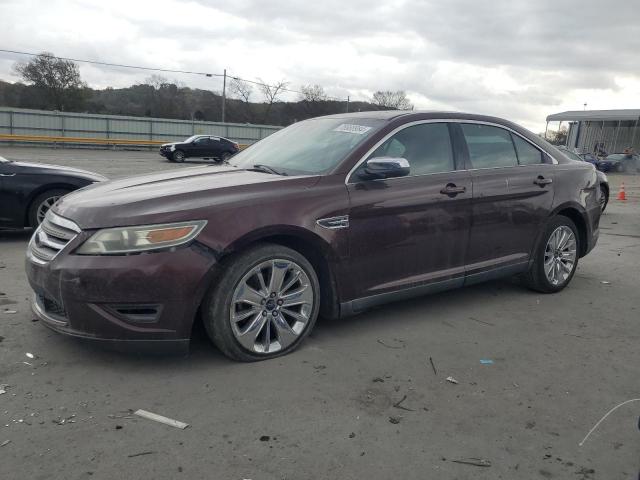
{"x": 385, "y": 167}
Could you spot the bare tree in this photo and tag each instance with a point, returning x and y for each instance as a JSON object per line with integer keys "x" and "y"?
{"x": 271, "y": 94}
{"x": 58, "y": 78}
{"x": 397, "y": 100}
{"x": 157, "y": 81}
{"x": 312, "y": 93}
{"x": 242, "y": 91}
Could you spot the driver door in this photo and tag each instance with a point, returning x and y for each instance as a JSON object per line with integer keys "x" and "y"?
{"x": 409, "y": 235}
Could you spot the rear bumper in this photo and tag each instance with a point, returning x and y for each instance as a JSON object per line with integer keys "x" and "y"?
{"x": 142, "y": 303}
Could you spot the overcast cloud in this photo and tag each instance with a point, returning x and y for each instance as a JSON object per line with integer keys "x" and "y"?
{"x": 517, "y": 59}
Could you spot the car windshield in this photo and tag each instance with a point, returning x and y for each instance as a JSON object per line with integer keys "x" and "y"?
{"x": 617, "y": 156}
{"x": 4, "y": 160}
{"x": 308, "y": 147}
{"x": 192, "y": 138}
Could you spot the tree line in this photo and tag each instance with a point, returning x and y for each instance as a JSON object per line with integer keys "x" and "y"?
{"x": 52, "y": 83}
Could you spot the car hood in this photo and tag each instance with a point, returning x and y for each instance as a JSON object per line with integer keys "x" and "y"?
{"x": 177, "y": 195}
{"x": 59, "y": 169}
{"x": 170, "y": 143}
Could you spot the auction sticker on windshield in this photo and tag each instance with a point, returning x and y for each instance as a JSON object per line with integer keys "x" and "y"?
{"x": 350, "y": 128}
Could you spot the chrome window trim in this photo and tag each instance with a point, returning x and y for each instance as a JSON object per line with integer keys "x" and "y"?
{"x": 443, "y": 120}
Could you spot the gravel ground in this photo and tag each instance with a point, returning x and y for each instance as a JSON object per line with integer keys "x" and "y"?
{"x": 335, "y": 408}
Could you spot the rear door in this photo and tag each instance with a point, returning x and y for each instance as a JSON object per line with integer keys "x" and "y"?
{"x": 512, "y": 198}
{"x": 410, "y": 232}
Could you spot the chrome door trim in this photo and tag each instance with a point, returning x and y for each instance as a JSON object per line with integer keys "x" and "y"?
{"x": 442, "y": 120}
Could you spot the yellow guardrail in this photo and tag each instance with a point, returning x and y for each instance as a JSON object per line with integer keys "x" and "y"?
{"x": 85, "y": 140}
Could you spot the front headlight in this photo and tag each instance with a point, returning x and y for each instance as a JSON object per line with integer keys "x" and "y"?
{"x": 118, "y": 241}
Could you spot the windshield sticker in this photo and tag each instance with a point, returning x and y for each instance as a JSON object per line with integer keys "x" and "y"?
{"x": 349, "y": 128}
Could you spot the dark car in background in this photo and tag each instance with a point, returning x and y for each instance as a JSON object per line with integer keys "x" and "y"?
{"x": 328, "y": 216}
{"x": 28, "y": 190}
{"x": 201, "y": 146}
{"x": 602, "y": 178}
{"x": 620, "y": 162}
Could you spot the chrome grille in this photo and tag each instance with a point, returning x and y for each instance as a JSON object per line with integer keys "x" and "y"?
{"x": 51, "y": 237}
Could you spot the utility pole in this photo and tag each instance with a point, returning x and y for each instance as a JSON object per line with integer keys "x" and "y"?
{"x": 224, "y": 92}
{"x": 347, "y": 104}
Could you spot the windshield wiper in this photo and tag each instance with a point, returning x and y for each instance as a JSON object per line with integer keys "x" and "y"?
{"x": 258, "y": 167}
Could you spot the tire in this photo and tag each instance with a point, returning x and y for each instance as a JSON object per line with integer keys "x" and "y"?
{"x": 604, "y": 198}
{"x": 178, "y": 156}
{"x": 225, "y": 156}
{"x": 40, "y": 205}
{"x": 536, "y": 278}
{"x": 267, "y": 313}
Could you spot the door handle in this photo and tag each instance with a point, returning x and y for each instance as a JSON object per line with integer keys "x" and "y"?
{"x": 542, "y": 181}
{"x": 452, "y": 190}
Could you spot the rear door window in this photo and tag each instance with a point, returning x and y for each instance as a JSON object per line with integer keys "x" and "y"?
{"x": 527, "y": 153}
{"x": 489, "y": 147}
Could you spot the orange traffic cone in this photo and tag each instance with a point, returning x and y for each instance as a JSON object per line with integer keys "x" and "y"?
{"x": 621, "y": 195}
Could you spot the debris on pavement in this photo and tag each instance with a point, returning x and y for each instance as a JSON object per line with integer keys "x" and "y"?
{"x": 486, "y": 361}
{"x": 159, "y": 418}
{"x": 395, "y": 420}
{"x": 63, "y": 420}
{"x": 606, "y": 415}
{"x": 5, "y": 443}
{"x": 476, "y": 462}
{"x": 452, "y": 380}
{"x": 140, "y": 454}
{"x": 30, "y": 355}
{"x": 265, "y": 438}
{"x": 605, "y": 282}
{"x": 402, "y": 407}
{"x": 10, "y": 312}
{"x": 435, "y": 372}
{"x": 378, "y": 380}
{"x": 392, "y": 346}
{"x": 3, "y": 388}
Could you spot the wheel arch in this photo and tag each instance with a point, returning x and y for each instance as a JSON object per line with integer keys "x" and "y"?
{"x": 42, "y": 189}
{"x": 578, "y": 215}
{"x": 313, "y": 247}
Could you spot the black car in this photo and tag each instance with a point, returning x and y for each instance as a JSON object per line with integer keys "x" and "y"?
{"x": 28, "y": 190}
{"x": 203, "y": 146}
{"x": 603, "y": 181}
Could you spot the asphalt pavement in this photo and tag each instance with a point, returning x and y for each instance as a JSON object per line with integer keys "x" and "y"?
{"x": 365, "y": 397}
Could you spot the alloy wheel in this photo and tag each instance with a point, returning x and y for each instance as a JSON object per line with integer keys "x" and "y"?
{"x": 560, "y": 255}
{"x": 271, "y": 306}
{"x": 44, "y": 207}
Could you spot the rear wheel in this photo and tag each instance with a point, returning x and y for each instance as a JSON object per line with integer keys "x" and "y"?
{"x": 41, "y": 205}
{"x": 178, "y": 156}
{"x": 264, "y": 304}
{"x": 556, "y": 258}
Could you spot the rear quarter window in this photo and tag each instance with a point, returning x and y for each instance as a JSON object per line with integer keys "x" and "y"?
{"x": 527, "y": 153}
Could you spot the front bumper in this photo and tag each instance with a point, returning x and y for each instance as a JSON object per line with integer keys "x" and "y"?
{"x": 144, "y": 302}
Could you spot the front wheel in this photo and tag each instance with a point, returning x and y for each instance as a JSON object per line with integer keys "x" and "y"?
{"x": 263, "y": 305}
{"x": 178, "y": 156}
{"x": 556, "y": 257}
{"x": 225, "y": 156}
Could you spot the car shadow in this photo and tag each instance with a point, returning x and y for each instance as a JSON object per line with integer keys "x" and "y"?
{"x": 203, "y": 355}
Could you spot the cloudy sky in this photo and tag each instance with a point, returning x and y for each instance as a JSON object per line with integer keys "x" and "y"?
{"x": 519, "y": 59}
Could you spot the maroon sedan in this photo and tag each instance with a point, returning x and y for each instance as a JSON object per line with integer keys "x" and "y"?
{"x": 329, "y": 216}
